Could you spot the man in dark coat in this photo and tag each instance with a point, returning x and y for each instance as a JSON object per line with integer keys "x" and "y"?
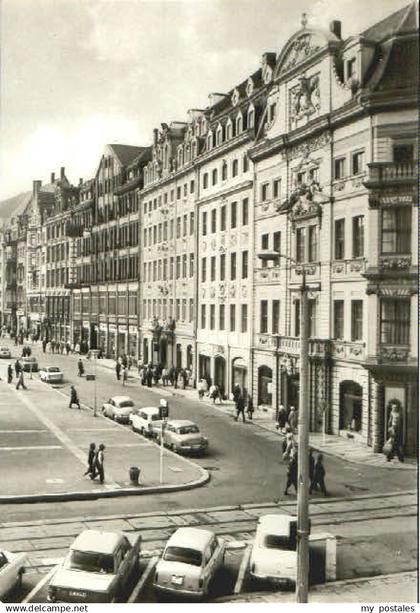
{"x": 292, "y": 470}
{"x": 74, "y": 398}
{"x": 319, "y": 476}
{"x": 118, "y": 370}
{"x": 18, "y": 367}
{"x": 240, "y": 408}
{"x": 9, "y": 373}
{"x": 91, "y": 460}
{"x": 99, "y": 469}
{"x": 20, "y": 381}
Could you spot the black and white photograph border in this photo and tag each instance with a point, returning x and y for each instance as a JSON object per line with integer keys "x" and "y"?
{"x": 209, "y": 302}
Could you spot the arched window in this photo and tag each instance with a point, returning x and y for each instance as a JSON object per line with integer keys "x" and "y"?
{"x": 239, "y": 124}
{"x": 224, "y": 171}
{"x": 251, "y": 117}
{"x": 219, "y": 135}
{"x": 214, "y": 176}
{"x": 209, "y": 141}
{"x": 180, "y": 157}
{"x": 229, "y": 130}
{"x": 205, "y": 180}
{"x": 194, "y": 149}
{"x": 234, "y": 168}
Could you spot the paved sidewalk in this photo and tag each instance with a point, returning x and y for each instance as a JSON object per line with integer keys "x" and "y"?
{"x": 396, "y": 588}
{"x": 345, "y": 448}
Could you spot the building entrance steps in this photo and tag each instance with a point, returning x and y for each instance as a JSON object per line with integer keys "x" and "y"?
{"x": 348, "y": 449}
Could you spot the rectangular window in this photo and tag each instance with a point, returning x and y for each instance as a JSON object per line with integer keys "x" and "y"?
{"x": 203, "y": 269}
{"x": 245, "y": 212}
{"x": 396, "y": 230}
{"x": 192, "y": 186}
{"x": 244, "y": 318}
{"x": 357, "y": 163}
{"x": 221, "y": 317}
{"x": 403, "y": 154}
{"x": 264, "y": 316}
{"x": 297, "y": 317}
{"x": 171, "y": 268}
{"x": 395, "y": 321}
{"x": 339, "y": 239}
{"x": 178, "y": 227}
{"x": 356, "y": 320}
{"x": 276, "y": 188}
{"x": 203, "y": 316}
{"x": 312, "y": 317}
{"x": 205, "y": 180}
{"x": 213, "y": 221}
{"x": 185, "y": 225}
{"x": 264, "y": 246}
{"x": 338, "y": 331}
{"x": 233, "y": 266}
{"x": 213, "y": 268}
{"x": 339, "y": 168}
{"x": 275, "y": 319}
{"x": 204, "y": 224}
{"x": 264, "y": 192}
{"x": 277, "y": 246}
{"x": 223, "y": 218}
{"x": 178, "y": 193}
{"x": 232, "y": 317}
{"x": 184, "y": 309}
{"x": 233, "y": 214}
{"x": 191, "y": 223}
{"x": 300, "y": 245}
{"x": 313, "y": 244}
{"x": 191, "y": 310}
{"x": 222, "y": 266}
{"x": 178, "y": 266}
{"x": 212, "y": 316}
{"x": 244, "y": 264}
{"x": 184, "y": 266}
{"x": 191, "y": 264}
{"x": 358, "y": 236}
{"x": 245, "y": 163}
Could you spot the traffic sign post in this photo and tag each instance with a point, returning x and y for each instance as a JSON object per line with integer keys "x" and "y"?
{"x": 162, "y": 431}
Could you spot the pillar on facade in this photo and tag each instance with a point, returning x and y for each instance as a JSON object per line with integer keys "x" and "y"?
{"x": 378, "y": 417}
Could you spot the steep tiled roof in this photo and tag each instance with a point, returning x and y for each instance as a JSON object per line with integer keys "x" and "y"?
{"x": 126, "y": 153}
{"x": 15, "y": 205}
{"x": 401, "y": 21}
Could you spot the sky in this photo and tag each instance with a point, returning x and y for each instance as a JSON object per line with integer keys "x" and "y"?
{"x": 77, "y": 74}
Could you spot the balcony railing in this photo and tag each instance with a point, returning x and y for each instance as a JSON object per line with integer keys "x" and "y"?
{"x": 391, "y": 172}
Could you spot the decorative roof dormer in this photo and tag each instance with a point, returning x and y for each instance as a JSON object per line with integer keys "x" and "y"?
{"x": 235, "y": 97}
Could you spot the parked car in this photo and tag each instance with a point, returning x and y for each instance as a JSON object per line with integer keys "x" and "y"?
{"x": 119, "y": 408}
{"x": 51, "y": 374}
{"x": 145, "y": 419}
{"x": 182, "y": 436}
{"x": 97, "y": 568}
{"x": 5, "y": 353}
{"x": 12, "y": 567}
{"x": 273, "y": 555}
{"x": 189, "y": 562}
{"x": 29, "y": 364}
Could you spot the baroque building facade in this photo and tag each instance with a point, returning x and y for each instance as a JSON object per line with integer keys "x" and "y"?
{"x": 191, "y": 252}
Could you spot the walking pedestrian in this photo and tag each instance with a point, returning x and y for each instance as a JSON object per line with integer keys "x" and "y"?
{"x": 319, "y": 476}
{"x": 311, "y": 464}
{"x": 118, "y": 367}
{"x": 99, "y": 469}
{"x": 291, "y": 473}
{"x": 125, "y": 375}
{"x": 91, "y": 460}
{"x": 236, "y": 393}
{"x": 81, "y": 368}
{"x": 74, "y": 398}
{"x": 292, "y": 419}
{"x": 395, "y": 432}
{"x": 18, "y": 367}
{"x": 240, "y": 408}
{"x": 21, "y": 381}
{"x": 10, "y": 374}
{"x": 249, "y": 407}
{"x": 281, "y": 418}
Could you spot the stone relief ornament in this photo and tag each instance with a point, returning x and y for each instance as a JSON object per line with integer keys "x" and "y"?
{"x": 203, "y": 292}
{"x": 395, "y": 263}
{"x": 304, "y": 149}
{"x": 232, "y": 290}
{"x": 305, "y": 98}
{"x": 305, "y": 201}
{"x": 301, "y": 48}
{"x": 233, "y": 239}
{"x": 356, "y": 266}
{"x": 212, "y": 292}
{"x": 213, "y": 244}
{"x": 394, "y": 354}
{"x": 244, "y": 291}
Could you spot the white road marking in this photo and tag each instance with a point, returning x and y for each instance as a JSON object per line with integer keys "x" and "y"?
{"x": 146, "y": 574}
{"x": 31, "y": 447}
{"x": 242, "y": 571}
{"x": 62, "y": 437}
{"x": 39, "y": 586}
{"x": 54, "y": 480}
{"x": 89, "y": 429}
{"x": 175, "y": 469}
{"x": 22, "y": 431}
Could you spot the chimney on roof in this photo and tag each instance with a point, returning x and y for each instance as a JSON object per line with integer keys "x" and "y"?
{"x": 36, "y": 186}
{"x": 155, "y": 136}
{"x": 62, "y": 173}
{"x": 52, "y": 177}
{"x": 335, "y": 28}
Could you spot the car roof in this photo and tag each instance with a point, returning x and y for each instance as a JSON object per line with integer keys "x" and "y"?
{"x": 275, "y": 524}
{"x": 196, "y": 538}
{"x": 97, "y": 541}
{"x": 121, "y": 398}
{"x": 177, "y": 423}
{"x": 29, "y": 358}
{"x": 150, "y": 410}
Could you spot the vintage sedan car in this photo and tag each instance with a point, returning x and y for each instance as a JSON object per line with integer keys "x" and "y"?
{"x": 182, "y": 436}
{"x": 29, "y": 364}
{"x": 51, "y": 374}
{"x": 273, "y": 555}
{"x": 144, "y": 420}
{"x": 97, "y": 568}
{"x": 189, "y": 562}
{"x": 119, "y": 408}
{"x": 5, "y": 353}
{"x": 12, "y": 567}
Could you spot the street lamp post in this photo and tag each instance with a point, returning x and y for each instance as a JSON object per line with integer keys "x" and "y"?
{"x": 94, "y": 353}
{"x": 302, "y": 580}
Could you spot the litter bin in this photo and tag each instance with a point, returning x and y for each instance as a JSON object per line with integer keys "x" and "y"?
{"x": 134, "y": 475}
